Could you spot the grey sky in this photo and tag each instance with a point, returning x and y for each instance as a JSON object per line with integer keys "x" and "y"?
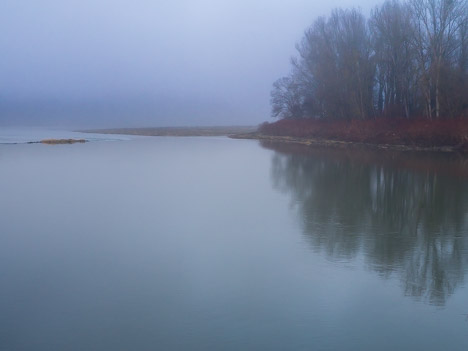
{"x": 141, "y": 62}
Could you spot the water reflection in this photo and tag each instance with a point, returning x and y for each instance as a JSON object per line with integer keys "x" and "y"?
{"x": 407, "y": 214}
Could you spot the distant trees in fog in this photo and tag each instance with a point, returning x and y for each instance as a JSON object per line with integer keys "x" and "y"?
{"x": 408, "y": 59}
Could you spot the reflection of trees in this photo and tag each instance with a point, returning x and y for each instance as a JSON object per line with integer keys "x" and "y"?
{"x": 405, "y": 221}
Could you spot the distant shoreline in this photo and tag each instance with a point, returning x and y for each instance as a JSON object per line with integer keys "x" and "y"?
{"x": 177, "y": 131}
{"x": 297, "y": 133}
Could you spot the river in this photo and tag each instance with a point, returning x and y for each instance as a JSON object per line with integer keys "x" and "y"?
{"x": 210, "y": 243}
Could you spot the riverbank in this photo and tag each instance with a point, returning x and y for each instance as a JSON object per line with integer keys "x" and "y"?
{"x": 395, "y": 134}
{"x": 177, "y": 131}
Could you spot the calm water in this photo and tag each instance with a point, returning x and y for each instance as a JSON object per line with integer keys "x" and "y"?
{"x": 220, "y": 244}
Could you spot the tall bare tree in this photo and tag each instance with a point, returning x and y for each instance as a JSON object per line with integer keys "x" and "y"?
{"x": 391, "y": 31}
{"x": 436, "y": 39}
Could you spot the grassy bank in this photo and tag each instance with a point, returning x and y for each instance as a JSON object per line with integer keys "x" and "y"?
{"x": 394, "y": 133}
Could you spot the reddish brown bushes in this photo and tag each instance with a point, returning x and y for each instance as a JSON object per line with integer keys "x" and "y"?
{"x": 417, "y": 132}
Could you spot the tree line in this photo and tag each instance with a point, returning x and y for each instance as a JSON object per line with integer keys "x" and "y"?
{"x": 408, "y": 59}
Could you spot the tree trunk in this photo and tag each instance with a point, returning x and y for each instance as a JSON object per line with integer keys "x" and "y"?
{"x": 437, "y": 83}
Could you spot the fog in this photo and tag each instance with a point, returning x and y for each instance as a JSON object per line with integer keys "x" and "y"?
{"x": 114, "y": 63}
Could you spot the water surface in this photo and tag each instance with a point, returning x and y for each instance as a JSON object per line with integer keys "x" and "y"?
{"x": 212, "y": 243}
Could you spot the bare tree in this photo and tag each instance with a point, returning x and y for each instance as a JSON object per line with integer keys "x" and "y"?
{"x": 286, "y": 99}
{"x": 436, "y": 39}
{"x": 391, "y": 31}
{"x": 335, "y": 58}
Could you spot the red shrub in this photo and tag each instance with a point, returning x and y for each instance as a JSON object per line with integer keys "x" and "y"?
{"x": 418, "y": 132}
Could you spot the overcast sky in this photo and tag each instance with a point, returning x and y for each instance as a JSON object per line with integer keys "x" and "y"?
{"x": 148, "y": 63}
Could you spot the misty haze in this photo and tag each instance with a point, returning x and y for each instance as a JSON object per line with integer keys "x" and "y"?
{"x": 234, "y": 175}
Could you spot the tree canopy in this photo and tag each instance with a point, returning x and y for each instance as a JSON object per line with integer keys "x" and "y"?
{"x": 408, "y": 59}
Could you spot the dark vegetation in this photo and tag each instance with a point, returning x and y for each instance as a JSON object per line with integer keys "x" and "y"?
{"x": 394, "y": 73}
